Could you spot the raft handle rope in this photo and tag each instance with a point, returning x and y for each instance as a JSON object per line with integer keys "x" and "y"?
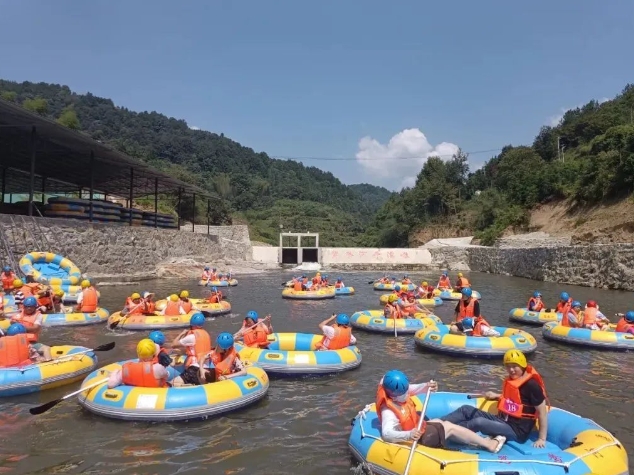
{"x": 443, "y": 463}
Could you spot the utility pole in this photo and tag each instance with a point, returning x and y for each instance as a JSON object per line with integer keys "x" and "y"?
{"x": 558, "y": 148}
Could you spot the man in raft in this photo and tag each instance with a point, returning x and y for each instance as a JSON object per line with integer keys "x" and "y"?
{"x": 535, "y": 303}
{"x": 145, "y": 373}
{"x": 466, "y": 307}
{"x": 399, "y": 419}
{"x": 226, "y": 361}
{"x": 15, "y": 349}
{"x": 625, "y": 323}
{"x": 337, "y": 336}
{"x": 462, "y": 283}
{"x": 339, "y": 284}
{"x": 161, "y": 354}
{"x": 425, "y": 291}
{"x": 197, "y": 343}
{"x": 523, "y": 402}
{"x": 444, "y": 283}
{"x": 478, "y": 326}
{"x": 216, "y": 296}
{"x": 88, "y": 298}
{"x": 593, "y": 319}
{"x": 31, "y": 318}
{"x": 255, "y": 332}
{"x": 8, "y": 276}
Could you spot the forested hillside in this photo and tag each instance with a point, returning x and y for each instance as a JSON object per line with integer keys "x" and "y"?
{"x": 266, "y": 192}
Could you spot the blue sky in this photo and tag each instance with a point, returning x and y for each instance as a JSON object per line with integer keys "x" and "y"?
{"x": 312, "y": 79}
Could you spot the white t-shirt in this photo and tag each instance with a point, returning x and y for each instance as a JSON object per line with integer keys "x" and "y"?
{"x": 391, "y": 429}
{"x": 189, "y": 341}
{"x": 116, "y": 378}
{"x": 80, "y": 297}
{"x": 37, "y": 322}
{"x": 329, "y": 333}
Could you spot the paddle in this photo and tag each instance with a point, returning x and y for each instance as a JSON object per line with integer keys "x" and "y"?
{"x": 51, "y": 404}
{"x": 420, "y": 424}
{"x": 104, "y": 347}
{"x": 239, "y": 332}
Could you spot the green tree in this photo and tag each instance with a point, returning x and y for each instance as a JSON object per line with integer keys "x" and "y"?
{"x": 10, "y": 96}
{"x": 37, "y": 105}
{"x": 68, "y": 118}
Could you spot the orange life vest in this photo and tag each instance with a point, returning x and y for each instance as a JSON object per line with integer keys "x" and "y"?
{"x": 565, "y": 310}
{"x": 463, "y": 282}
{"x": 172, "y": 308}
{"x": 477, "y": 329}
{"x": 26, "y": 291}
{"x": 186, "y": 305}
{"x": 256, "y": 337}
{"x": 623, "y": 326}
{"x": 150, "y": 307}
{"x": 7, "y": 280}
{"x": 339, "y": 285}
{"x": 339, "y": 341}
{"x": 561, "y": 307}
{"x": 406, "y": 281}
{"x": 206, "y": 275}
{"x": 406, "y": 412}
{"x": 215, "y": 298}
{"x": 29, "y": 320}
{"x": 141, "y": 374}
{"x": 511, "y": 403}
{"x": 444, "y": 282}
{"x": 223, "y": 363}
{"x": 202, "y": 345}
{"x": 392, "y": 311}
{"x": 538, "y": 304}
{"x": 14, "y": 351}
{"x": 466, "y": 311}
{"x": 590, "y": 316}
{"x": 89, "y": 300}
{"x": 134, "y": 308}
{"x": 44, "y": 301}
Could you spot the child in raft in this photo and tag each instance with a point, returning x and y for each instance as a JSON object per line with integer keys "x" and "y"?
{"x": 255, "y": 332}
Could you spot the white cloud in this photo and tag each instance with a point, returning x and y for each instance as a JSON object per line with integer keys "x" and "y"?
{"x": 193, "y": 127}
{"x": 397, "y": 163}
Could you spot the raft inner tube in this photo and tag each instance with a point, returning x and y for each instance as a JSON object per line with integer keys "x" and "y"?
{"x": 204, "y": 305}
{"x": 375, "y": 321}
{"x": 49, "y": 268}
{"x": 529, "y": 317}
{"x": 452, "y": 295}
{"x": 150, "y": 322}
{"x": 219, "y": 283}
{"x": 343, "y": 290}
{"x": 390, "y": 286}
{"x": 321, "y": 294}
{"x": 608, "y": 340}
{"x": 70, "y": 319}
{"x": 433, "y": 302}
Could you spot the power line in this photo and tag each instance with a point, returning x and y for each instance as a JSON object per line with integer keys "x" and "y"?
{"x": 336, "y": 159}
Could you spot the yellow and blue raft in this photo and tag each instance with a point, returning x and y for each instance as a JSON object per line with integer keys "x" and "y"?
{"x": 51, "y": 269}
{"x": 172, "y": 404}
{"x": 451, "y": 295}
{"x": 438, "y": 338}
{"x": 208, "y": 308}
{"x": 343, "y": 290}
{"x": 70, "y": 364}
{"x": 295, "y": 354}
{"x": 150, "y": 322}
{"x": 219, "y": 283}
{"x": 71, "y": 319}
{"x": 375, "y": 321}
{"x": 609, "y": 339}
{"x": 574, "y": 446}
{"x": 434, "y": 302}
{"x": 390, "y": 286}
{"x": 523, "y": 315}
{"x": 321, "y": 294}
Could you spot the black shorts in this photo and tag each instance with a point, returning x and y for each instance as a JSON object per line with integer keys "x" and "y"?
{"x": 434, "y": 435}
{"x": 460, "y": 326}
{"x": 190, "y": 375}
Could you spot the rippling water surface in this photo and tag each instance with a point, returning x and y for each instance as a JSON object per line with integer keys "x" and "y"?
{"x": 303, "y": 425}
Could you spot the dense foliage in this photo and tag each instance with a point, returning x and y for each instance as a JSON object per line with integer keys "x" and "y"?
{"x": 267, "y": 192}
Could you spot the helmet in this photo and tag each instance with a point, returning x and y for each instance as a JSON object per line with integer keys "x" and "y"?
{"x": 591, "y": 304}
{"x": 6, "y": 269}
{"x": 157, "y": 337}
{"x": 564, "y": 296}
{"x": 214, "y": 289}
{"x": 576, "y": 303}
{"x": 467, "y": 322}
{"x": 424, "y": 283}
{"x": 303, "y": 276}
{"x": 253, "y": 315}
{"x": 445, "y": 273}
{"x": 85, "y": 284}
{"x": 405, "y": 276}
{"x": 206, "y": 268}
{"x": 515, "y": 357}
{"x": 145, "y": 349}
{"x": 629, "y": 316}
{"x": 16, "y": 329}
{"x": 135, "y": 296}
{"x": 395, "y": 383}
{"x": 392, "y": 298}
{"x": 342, "y": 319}
{"x": 184, "y": 294}
{"x": 173, "y": 298}
{"x": 325, "y": 276}
{"x": 339, "y": 279}
{"x": 59, "y": 293}
{"x": 30, "y": 302}
{"x": 213, "y": 269}
{"x": 17, "y": 283}
{"x": 397, "y": 288}
{"x": 146, "y": 294}
{"x": 467, "y": 292}
{"x": 197, "y": 320}
{"x": 459, "y": 274}
{"x": 537, "y": 294}
{"x": 225, "y": 340}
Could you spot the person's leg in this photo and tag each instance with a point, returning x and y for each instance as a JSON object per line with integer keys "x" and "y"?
{"x": 480, "y": 421}
{"x": 466, "y": 436}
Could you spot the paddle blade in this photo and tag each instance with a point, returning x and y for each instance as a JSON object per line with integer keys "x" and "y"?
{"x": 105, "y": 347}
{"x": 45, "y": 407}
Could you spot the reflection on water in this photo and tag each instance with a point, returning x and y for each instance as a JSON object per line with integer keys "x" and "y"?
{"x": 303, "y": 424}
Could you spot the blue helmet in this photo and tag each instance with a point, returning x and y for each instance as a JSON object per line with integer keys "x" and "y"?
{"x": 397, "y": 288}
{"x": 338, "y": 279}
{"x": 576, "y": 303}
{"x": 629, "y": 316}
{"x": 206, "y": 267}
{"x": 30, "y": 302}
{"x": 405, "y": 276}
{"x": 325, "y": 276}
{"x": 197, "y": 320}
{"x": 395, "y": 383}
{"x": 445, "y": 273}
{"x": 537, "y": 294}
{"x": 342, "y": 319}
{"x": 303, "y": 276}
{"x": 467, "y": 322}
{"x": 157, "y": 337}
{"x": 467, "y": 292}
{"x": 6, "y": 269}
{"x": 253, "y": 315}
{"x": 214, "y": 288}
{"x": 564, "y": 296}
{"x": 16, "y": 329}
{"x": 225, "y": 340}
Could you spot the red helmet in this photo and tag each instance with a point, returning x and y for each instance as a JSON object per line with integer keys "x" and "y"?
{"x": 591, "y": 304}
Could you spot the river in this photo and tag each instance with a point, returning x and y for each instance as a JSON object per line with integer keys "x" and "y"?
{"x": 303, "y": 425}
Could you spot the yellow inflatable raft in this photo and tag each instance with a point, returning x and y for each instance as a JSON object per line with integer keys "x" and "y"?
{"x": 149, "y": 322}
{"x": 321, "y": 294}
{"x": 435, "y": 302}
{"x": 219, "y": 283}
{"x": 212, "y": 309}
{"x": 609, "y": 339}
{"x": 375, "y": 321}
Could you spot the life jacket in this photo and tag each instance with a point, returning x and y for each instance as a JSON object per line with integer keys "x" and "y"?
{"x": 89, "y": 300}
{"x": 590, "y": 316}
{"x": 156, "y": 356}
{"x": 297, "y": 286}
{"x": 33, "y": 287}
{"x": 44, "y": 301}
{"x": 463, "y": 282}
{"x": 477, "y": 329}
{"x": 256, "y": 337}
{"x": 562, "y": 306}
{"x": 405, "y": 413}
{"x": 202, "y": 345}
{"x": 565, "y": 310}
{"x": 172, "y": 308}
{"x": 623, "y": 326}
{"x": 466, "y": 311}
{"x": 538, "y": 305}
{"x": 511, "y": 403}
{"x": 444, "y": 282}
{"x": 150, "y": 307}
{"x": 406, "y": 281}
{"x": 206, "y": 275}
{"x": 392, "y": 311}
{"x": 7, "y": 280}
{"x": 14, "y": 351}
{"x": 339, "y": 341}
{"x": 316, "y": 280}
{"x": 26, "y": 291}
{"x": 214, "y": 276}
{"x": 223, "y": 363}
{"x": 134, "y": 308}
{"x": 141, "y": 374}
{"x": 339, "y": 285}
{"x": 29, "y": 320}
{"x": 186, "y": 305}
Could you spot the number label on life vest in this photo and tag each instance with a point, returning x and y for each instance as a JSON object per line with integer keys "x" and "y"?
{"x": 510, "y": 406}
{"x": 146, "y": 401}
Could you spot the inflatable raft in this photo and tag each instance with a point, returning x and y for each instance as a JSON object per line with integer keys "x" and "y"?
{"x": 529, "y": 317}
{"x": 321, "y": 294}
{"x": 75, "y": 318}
{"x": 209, "y": 309}
{"x": 451, "y": 295}
{"x": 150, "y": 322}
{"x": 435, "y": 302}
{"x": 390, "y": 286}
{"x": 70, "y": 364}
{"x": 219, "y": 283}
{"x": 295, "y": 354}
{"x": 574, "y": 446}
{"x": 49, "y": 268}
{"x": 609, "y": 340}
{"x": 172, "y": 404}
{"x": 439, "y": 339}
{"x": 8, "y": 304}
{"x": 343, "y": 290}
{"x": 375, "y": 321}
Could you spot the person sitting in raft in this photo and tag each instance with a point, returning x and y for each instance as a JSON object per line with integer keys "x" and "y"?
{"x": 462, "y": 283}
{"x": 57, "y": 302}
{"x": 522, "y": 402}
{"x": 8, "y": 276}
{"x": 18, "y": 294}
{"x": 339, "y": 284}
{"x": 206, "y": 275}
{"x": 31, "y": 318}
{"x": 216, "y": 296}
{"x": 15, "y": 349}
{"x": 444, "y": 283}
{"x": 134, "y": 305}
{"x": 185, "y": 303}
{"x": 406, "y": 280}
{"x": 148, "y": 302}
{"x": 391, "y": 310}
{"x": 337, "y": 336}
{"x": 535, "y": 303}
{"x": 399, "y": 418}
{"x": 173, "y": 307}
{"x": 466, "y": 307}
{"x": 424, "y": 290}
{"x": 478, "y": 326}
{"x": 625, "y": 323}
{"x": 145, "y": 373}
{"x": 88, "y": 299}
{"x": 225, "y": 358}
{"x": 572, "y": 317}
{"x": 593, "y": 319}
{"x": 196, "y": 342}
{"x": 255, "y": 333}
{"x": 409, "y": 307}
{"x": 564, "y": 304}
{"x": 161, "y": 354}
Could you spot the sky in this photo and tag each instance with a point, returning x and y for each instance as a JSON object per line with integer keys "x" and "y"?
{"x": 376, "y": 87}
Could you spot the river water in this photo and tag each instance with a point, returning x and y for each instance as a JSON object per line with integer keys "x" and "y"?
{"x": 302, "y": 426}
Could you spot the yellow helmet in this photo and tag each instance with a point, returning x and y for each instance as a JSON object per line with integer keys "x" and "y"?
{"x": 174, "y": 298}
{"x": 145, "y": 349}
{"x": 424, "y": 283}
{"x": 515, "y": 357}
{"x": 59, "y": 292}
{"x": 135, "y": 296}
{"x": 85, "y": 284}
{"x": 392, "y": 298}
{"x": 17, "y": 283}
{"x": 185, "y": 294}
{"x": 459, "y": 274}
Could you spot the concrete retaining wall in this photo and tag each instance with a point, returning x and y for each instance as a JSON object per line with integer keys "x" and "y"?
{"x": 266, "y": 254}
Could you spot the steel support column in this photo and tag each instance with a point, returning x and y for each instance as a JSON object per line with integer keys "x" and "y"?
{"x": 208, "y": 213}
{"x": 193, "y": 212}
{"x": 43, "y": 190}
{"x": 32, "y": 173}
{"x": 131, "y": 193}
{"x": 178, "y": 207}
{"x": 91, "y": 171}
{"x": 155, "y": 203}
